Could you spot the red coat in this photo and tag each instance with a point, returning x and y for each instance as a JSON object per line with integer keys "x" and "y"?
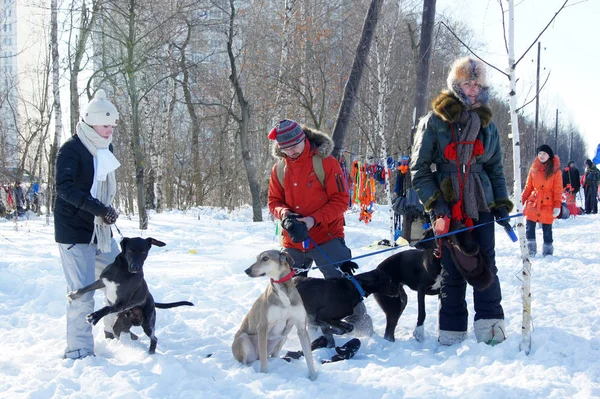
{"x": 541, "y": 194}
{"x": 305, "y": 195}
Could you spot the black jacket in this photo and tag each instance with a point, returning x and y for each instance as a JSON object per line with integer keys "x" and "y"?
{"x": 75, "y": 208}
{"x": 571, "y": 177}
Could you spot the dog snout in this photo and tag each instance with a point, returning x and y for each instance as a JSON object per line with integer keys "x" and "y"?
{"x": 134, "y": 268}
{"x": 248, "y": 271}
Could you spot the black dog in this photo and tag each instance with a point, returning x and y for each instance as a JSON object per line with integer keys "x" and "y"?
{"x": 126, "y": 290}
{"x": 328, "y": 301}
{"x": 420, "y": 270}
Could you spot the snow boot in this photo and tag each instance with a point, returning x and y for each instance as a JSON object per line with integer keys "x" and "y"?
{"x": 448, "y": 338}
{"x": 489, "y": 331}
{"x": 547, "y": 249}
{"x": 531, "y": 247}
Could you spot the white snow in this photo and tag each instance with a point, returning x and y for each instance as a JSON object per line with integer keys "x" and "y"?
{"x": 204, "y": 260}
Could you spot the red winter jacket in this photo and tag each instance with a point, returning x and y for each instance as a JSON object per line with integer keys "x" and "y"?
{"x": 542, "y": 195}
{"x": 304, "y": 194}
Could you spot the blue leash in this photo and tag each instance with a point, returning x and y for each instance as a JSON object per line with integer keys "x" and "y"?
{"x": 305, "y": 243}
{"x": 347, "y": 276}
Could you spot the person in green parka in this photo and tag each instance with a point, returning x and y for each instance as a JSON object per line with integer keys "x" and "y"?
{"x": 457, "y": 171}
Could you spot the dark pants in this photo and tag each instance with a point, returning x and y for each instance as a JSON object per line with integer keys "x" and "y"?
{"x": 591, "y": 198}
{"x": 546, "y": 232}
{"x": 453, "y": 313}
{"x": 330, "y": 252}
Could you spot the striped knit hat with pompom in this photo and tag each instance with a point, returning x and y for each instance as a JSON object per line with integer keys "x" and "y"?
{"x": 287, "y": 133}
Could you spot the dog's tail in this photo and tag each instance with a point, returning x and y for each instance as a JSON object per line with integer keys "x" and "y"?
{"x": 173, "y": 304}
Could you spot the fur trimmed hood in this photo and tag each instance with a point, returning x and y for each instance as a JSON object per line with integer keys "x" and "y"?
{"x": 448, "y": 107}
{"x": 537, "y": 165}
{"x": 320, "y": 143}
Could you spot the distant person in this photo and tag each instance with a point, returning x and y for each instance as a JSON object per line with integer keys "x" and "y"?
{"x": 83, "y": 213}
{"x": 590, "y": 187}
{"x": 542, "y": 198}
{"x": 304, "y": 199}
{"x": 19, "y": 198}
{"x": 570, "y": 178}
{"x": 467, "y": 184}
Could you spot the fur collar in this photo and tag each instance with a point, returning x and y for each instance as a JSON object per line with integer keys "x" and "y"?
{"x": 540, "y": 167}
{"x": 448, "y": 107}
{"x": 320, "y": 144}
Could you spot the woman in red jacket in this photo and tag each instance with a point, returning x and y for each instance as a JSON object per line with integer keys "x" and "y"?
{"x": 542, "y": 198}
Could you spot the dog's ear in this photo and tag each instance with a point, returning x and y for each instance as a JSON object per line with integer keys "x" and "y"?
{"x": 153, "y": 241}
{"x": 124, "y": 242}
{"x": 287, "y": 258}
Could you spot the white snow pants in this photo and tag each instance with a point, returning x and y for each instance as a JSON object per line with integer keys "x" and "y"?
{"x": 82, "y": 265}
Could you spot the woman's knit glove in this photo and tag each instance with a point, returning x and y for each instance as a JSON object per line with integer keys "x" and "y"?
{"x": 109, "y": 215}
{"x": 556, "y": 212}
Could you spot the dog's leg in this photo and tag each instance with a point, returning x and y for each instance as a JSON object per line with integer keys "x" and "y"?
{"x": 306, "y": 348}
{"x": 148, "y": 326}
{"x": 78, "y": 293}
{"x": 263, "y": 356}
{"x": 94, "y": 318}
{"x": 391, "y": 306}
{"x": 419, "y": 331}
{"x": 244, "y": 350}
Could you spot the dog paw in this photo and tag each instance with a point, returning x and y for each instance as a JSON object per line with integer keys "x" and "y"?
{"x": 312, "y": 376}
{"x": 419, "y": 333}
{"x": 92, "y": 318}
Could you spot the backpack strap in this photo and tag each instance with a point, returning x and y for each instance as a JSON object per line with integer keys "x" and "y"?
{"x": 319, "y": 170}
{"x": 317, "y": 166}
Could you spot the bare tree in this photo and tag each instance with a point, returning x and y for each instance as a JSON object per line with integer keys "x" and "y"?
{"x": 243, "y": 120}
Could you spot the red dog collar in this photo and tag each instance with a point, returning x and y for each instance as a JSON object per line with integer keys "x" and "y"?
{"x": 284, "y": 278}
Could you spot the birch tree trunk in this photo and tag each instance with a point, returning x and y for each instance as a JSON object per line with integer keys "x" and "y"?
{"x": 526, "y": 272}
{"x": 51, "y": 187}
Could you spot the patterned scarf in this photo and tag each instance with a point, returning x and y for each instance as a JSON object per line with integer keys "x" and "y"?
{"x": 471, "y": 182}
{"x": 104, "y": 186}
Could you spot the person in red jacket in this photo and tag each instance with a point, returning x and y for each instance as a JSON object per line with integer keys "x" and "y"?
{"x": 542, "y": 198}
{"x": 319, "y": 205}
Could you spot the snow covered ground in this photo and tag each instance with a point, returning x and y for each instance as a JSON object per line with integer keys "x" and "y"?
{"x": 203, "y": 262}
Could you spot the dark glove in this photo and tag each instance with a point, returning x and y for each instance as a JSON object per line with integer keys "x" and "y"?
{"x": 297, "y": 230}
{"x": 109, "y": 215}
{"x": 440, "y": 209}
{"x": 502, "y": 213}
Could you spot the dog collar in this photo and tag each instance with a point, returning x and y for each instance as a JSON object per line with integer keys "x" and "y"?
{"x": 284, "y": 278}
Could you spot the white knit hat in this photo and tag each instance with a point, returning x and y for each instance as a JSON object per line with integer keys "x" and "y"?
{"x": 100, "y": 111}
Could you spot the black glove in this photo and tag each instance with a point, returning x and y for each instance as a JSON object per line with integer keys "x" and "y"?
{"x": 440, "y": 209}
{"x": 502, "y": 213}
{"x": 109, "y": 215}
{"x": 297, "y": 230}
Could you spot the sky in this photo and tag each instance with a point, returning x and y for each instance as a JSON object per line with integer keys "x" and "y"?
{"x": 569, "y": 53}
{"x": 204, "y": 260}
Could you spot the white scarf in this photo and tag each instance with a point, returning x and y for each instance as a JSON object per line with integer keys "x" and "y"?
{"x": 104, "y": 186}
